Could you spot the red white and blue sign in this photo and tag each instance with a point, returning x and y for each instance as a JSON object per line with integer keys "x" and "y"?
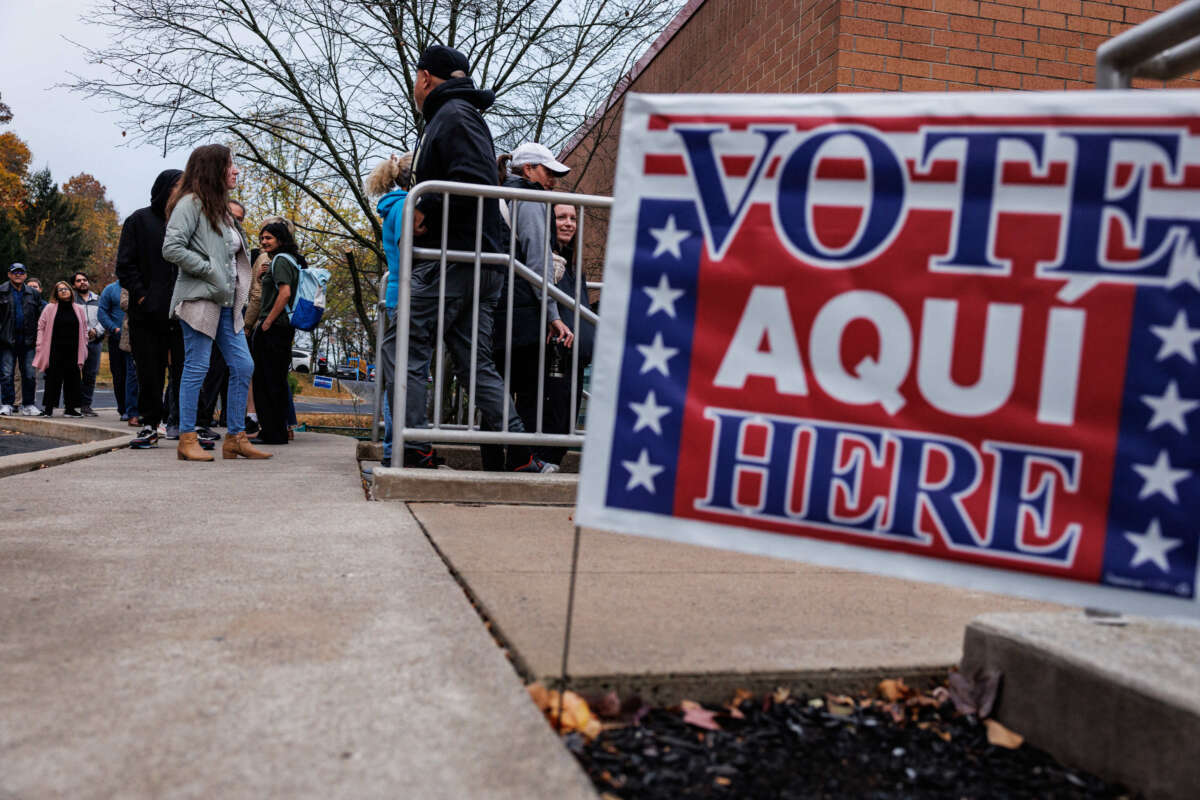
{"x": 945, "y": 337}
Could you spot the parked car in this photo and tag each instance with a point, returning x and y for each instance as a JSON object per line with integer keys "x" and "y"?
{"x": 301, "y": 361}
{"x": 347, "y": 372}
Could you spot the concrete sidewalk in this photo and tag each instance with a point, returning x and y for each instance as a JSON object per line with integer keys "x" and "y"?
{"x": 669, "y": 620}
{"x": 247, "y": 629}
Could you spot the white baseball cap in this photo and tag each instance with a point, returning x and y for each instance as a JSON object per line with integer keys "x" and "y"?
{"x": 532, "y": 154}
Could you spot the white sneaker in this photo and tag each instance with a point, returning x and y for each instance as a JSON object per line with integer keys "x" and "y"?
{"x": 31, "y": 411}
{"x": 162, "y": 430}
{"x": 6, "y": 410}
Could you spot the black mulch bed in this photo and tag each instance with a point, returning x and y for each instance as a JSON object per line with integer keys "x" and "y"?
{"x": 802, "y": 749}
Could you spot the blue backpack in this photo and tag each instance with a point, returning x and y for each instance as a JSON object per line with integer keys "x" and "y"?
{"x": 308, "y": 304}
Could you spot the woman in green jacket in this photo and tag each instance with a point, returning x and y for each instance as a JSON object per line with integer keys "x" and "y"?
{"x": 209, "y": 248}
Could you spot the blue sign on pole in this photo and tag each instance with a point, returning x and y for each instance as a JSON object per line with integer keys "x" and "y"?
{"x": 322, "y": 382}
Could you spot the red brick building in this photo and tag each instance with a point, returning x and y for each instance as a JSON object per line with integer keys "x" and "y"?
{"x": 793, "y": 46}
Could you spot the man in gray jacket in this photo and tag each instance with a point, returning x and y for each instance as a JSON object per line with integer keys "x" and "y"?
{"x": 90, "y": 301}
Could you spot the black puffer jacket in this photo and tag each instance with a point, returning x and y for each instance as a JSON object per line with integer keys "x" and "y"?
{"x": 457, "y": 146}
{"x": 141, "y": 269}
{"x": 31, "y": 303}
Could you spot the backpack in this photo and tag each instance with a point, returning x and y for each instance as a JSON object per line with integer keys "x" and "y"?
{"x": 307, "y": 306}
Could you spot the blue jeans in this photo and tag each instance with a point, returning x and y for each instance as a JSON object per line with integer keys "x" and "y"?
{"x": 9, "y": 358}
{"x": 196, "y": 349}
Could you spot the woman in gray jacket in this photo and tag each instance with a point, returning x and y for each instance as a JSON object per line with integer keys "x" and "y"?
{"x": 209, "y": 248}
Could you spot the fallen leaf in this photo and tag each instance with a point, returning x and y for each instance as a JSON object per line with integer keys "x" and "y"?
{"x": 839, "y": 705}
{"x": 781, "y": 695}
{"x": 605, "y": 706}
{"x": 540, "y": 696}
{"x": 698, "y": 715}
{"x": 1001, "y": 736}
{"x": 893, "y": 690}
{"x": 974, "y": 695}
{"x": 721, "y": 780}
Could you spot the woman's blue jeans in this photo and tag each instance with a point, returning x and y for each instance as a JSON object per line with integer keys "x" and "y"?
{"x": 196, "y": 350}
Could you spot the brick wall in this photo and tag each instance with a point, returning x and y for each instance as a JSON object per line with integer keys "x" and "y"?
{"x": 861, "y": 46}
{"x": 963, "y": 45}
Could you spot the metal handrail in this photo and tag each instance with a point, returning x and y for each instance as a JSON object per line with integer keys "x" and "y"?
{"x": 1163, "y": 47}
{"x": 380, "y": 317}
{"x": 478, "y": 259}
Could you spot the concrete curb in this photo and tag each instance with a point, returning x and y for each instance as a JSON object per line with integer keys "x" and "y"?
{"x": 91, "y": 440}
{"x": 1118, "y": 701}
{"x": 465, "y": 457}
{"x": 466, "y": 486}
{"x": 717, "y": 688}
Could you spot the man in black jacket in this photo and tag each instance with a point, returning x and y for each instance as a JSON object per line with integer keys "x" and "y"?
{"x": 456, "y": 146}
{"x": 20, "y": 308}
{"x": 155, "y": 340}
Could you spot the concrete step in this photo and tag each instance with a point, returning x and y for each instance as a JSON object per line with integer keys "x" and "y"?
{"x": 472, "y": 486}
{"x": 1120, "y": 701}
{"x": 458, "y": 456}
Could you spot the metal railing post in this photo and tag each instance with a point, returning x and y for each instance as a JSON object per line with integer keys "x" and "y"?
{"x": 380, "y": 316}
{"x": 1139, "y": 51}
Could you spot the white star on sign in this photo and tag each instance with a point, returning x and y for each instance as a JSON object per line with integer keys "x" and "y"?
{"x": 668, "y": 239}
{"x": 656, "y": 355}
{"x": 649, "y": 414}
{"x": 1152, "y": 546}
{"x": 1169, "y": 409}
{"x": 1160, "y": 478}
{"x": 642, "y": 472}
{"x": 1177, "y": 339}
{"x": 662, "y": 297}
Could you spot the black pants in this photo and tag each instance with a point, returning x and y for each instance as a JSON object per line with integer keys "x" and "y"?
{"x": 63, "y": 376}
{"x": 522, "y": 387}
{"x": 156, "y": 349}
{"x": 116, "y": 365}
{"x": 272, "y": 352}
{"x": 216, "y": 384}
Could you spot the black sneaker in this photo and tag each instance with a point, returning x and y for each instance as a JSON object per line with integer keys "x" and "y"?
{"x": 86, "y": 411}
{"x": 72, "y": 412}
{"x": 206, "y": 435}
{"x": 251, "y": 427}
{"x": 47, "y": 412}
{"x": 147, "y": 437}
{"x": 422, "y": 459}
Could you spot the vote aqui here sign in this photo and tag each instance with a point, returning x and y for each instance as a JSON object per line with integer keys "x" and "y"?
{"x": 943, "y": 337}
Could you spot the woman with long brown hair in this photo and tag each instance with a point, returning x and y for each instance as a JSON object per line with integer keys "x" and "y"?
{"x": 214, "y": 280}
{"x": 61, "y": 350}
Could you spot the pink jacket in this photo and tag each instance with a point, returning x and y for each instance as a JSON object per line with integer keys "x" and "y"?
{"x": 41, "y": 356}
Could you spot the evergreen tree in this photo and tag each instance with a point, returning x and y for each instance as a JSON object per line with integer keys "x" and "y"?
{"x": 53, "y": 234}
{"x": 11, "y": 248}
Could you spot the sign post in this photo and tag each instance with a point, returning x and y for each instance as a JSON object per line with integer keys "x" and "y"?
{"x": 951, "y": 338}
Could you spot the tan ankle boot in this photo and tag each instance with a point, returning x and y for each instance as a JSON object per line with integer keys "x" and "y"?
{"x": 238, "y": 444}
{"x": 189, "y": 448}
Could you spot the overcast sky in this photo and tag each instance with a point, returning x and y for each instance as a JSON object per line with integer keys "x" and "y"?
{"x": 68, "y": 132}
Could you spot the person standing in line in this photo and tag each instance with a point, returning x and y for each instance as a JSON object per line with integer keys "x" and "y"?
{"x": 456, "y": 145}
{"x": 120, "y": 363}
{"x": 62, "y": 348}
{"x": 273, "y": 334}
{"x": 36, "y": 285}
{"x": 261, "y": 263}
{"x": 90, "y": 302}
{"x": 556, "y": 410}
{"x": 19, "y": 310}
{"x": 210, "y": 294}
{"x": 155, "y": 340}
{"x": 534, "y": 168}
{"x": 390, "y": 182}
